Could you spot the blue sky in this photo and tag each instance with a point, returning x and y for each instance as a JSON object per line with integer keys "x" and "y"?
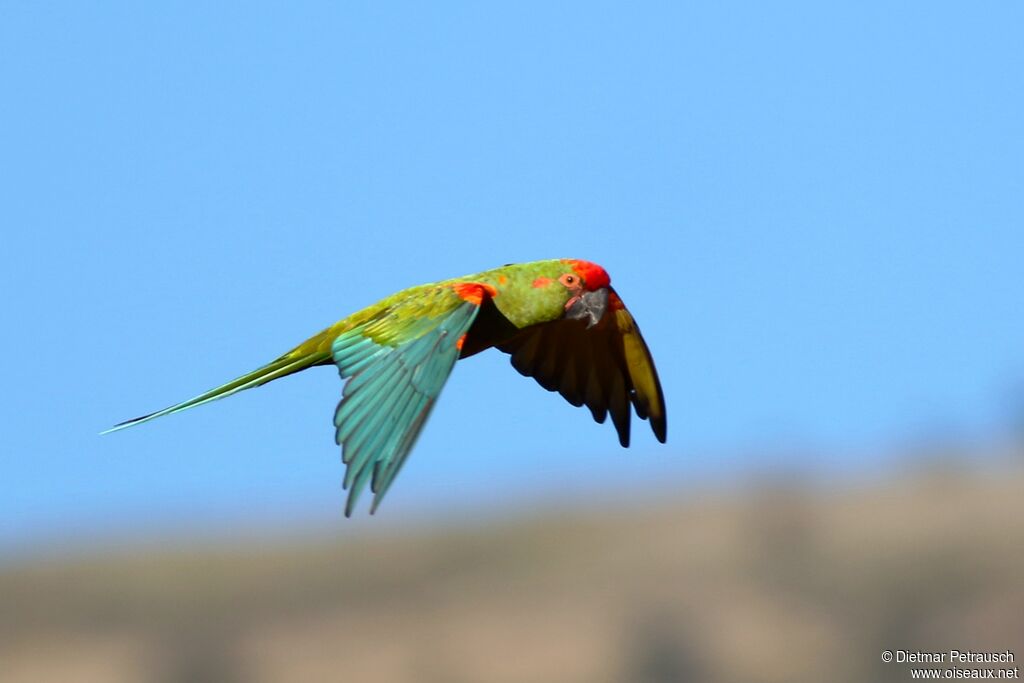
{"x": 816, "y": 214}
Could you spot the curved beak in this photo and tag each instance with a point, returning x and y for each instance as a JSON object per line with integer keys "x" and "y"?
{"x": 589, "y": 306}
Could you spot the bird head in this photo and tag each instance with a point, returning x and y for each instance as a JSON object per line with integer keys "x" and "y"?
{"x": 587, "y": 286}
{"x": 541, "y": 291}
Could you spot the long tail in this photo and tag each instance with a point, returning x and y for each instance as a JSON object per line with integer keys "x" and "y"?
{"x": 287, "y": 364}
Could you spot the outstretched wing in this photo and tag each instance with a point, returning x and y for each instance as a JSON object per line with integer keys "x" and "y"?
{"x": 606, "y": 367}
{"x": 396, "y": 363}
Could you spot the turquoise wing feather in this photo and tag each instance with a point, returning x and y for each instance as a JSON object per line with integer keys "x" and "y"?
{"x": 395, "y": 364}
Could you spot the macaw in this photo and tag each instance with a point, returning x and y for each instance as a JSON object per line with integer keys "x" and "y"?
{"x": 559, "y": 320}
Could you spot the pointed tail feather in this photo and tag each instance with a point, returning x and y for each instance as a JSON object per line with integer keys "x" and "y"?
{"x": 285, "y": 365}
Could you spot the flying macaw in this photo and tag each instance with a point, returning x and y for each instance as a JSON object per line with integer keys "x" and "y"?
{"x": 560, "y": 320}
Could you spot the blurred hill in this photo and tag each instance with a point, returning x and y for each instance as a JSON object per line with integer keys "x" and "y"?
{"x": 772, "y": 582}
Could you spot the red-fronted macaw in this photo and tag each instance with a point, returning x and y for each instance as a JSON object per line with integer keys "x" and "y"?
{"x": 560, "y": 320}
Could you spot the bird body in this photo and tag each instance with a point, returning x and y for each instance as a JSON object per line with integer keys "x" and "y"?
{"x": 559, "y": 319}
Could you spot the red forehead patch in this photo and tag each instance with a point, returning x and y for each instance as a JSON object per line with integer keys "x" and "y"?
{"x": 593, "y": 275}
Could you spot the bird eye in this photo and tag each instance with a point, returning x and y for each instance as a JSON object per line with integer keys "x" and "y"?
{"x": 568, "y": 280}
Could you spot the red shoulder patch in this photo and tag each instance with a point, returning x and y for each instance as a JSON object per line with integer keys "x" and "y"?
{"x": 474, "y": 292}
{"x": 614, "y": 302}
{"x": 594, "y": 275}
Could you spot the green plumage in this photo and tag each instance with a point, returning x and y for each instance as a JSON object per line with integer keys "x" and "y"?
{"x": 396, "y": 355}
